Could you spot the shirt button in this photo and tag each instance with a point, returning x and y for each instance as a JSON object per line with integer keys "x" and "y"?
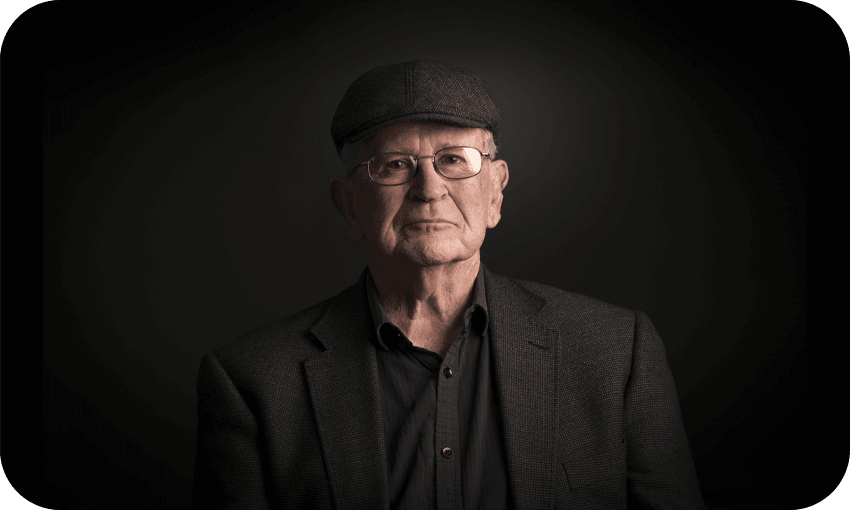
{"x": 447, "y": 372}
{"x": 447, "y": 452}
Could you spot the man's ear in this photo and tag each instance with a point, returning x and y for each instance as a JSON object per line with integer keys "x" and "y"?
{"x": 342, "y": 197}
{"x": 498, "y": 179}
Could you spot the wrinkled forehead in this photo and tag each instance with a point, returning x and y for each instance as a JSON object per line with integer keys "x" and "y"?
{"x": 410, "y": 136}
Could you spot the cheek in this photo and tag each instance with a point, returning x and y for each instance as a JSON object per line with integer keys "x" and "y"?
{"x": 481, "y": 208}
{"x": 378, "y": 209}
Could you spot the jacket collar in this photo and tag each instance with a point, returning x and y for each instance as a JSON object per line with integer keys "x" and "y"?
{"x": 525, "y": 359}
{"x": 343, "y": 385}
{"x": 343, "y": 382}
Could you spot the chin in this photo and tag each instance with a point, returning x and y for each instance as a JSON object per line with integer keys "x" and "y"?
{"x": 431, "y": 254}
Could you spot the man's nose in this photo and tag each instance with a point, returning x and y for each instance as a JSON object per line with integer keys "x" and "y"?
{"x": 428, "y": 184}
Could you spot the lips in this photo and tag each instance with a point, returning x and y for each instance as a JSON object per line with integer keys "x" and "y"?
{"x": 409, "y": 222}
{"x": 427, "y": 221}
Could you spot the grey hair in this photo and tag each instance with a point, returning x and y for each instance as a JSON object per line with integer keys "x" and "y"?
{"x": 351, "y": 150}
{"x": 491, "y": 144}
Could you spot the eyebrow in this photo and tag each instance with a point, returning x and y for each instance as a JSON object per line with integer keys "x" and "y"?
{"x": 441, "y": 147}
{"x": 384, "y": 151}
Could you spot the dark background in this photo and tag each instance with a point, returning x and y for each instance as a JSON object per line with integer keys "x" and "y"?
{"x": 659, "y": 157}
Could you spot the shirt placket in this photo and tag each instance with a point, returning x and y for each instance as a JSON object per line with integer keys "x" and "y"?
{"x": 446, "y": 433}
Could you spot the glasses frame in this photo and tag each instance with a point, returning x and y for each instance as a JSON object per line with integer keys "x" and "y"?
{"x": 416, "y": 163}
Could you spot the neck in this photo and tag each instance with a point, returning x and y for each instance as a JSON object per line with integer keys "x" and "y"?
{"x": 427, "y": 302}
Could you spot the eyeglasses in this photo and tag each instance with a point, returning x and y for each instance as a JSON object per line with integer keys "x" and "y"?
{"x": 394, "y": 168}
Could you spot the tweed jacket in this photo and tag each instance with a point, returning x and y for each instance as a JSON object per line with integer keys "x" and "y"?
{"x": 290, "y": 417}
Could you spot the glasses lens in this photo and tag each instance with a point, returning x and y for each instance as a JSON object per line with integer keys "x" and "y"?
{"x": 458, "y": 162}
{"x": 392, "y": 168}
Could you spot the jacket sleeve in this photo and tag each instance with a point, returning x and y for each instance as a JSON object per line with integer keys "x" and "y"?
{"x": 661, "y": 472}
{"x": 228, "y": 466}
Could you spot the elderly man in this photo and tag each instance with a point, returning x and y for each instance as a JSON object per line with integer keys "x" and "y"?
{"x": 431, "y": 382}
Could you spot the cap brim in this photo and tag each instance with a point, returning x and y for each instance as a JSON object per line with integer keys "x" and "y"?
{"x": 415, "y": 117}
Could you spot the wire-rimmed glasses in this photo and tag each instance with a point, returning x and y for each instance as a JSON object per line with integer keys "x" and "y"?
{"x": 394, "y": 168}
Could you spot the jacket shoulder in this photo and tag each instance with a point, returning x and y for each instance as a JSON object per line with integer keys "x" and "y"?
{"x": 278, "y": 342}
{"x": 562, "y": 305}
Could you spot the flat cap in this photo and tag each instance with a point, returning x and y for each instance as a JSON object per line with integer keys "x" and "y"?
{"x": 417, "y": 91}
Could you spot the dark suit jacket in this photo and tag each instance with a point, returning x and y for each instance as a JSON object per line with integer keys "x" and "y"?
{"x": 289, "y": 415}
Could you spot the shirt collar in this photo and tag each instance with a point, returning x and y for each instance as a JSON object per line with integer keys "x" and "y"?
{"x": 478, "y": 308}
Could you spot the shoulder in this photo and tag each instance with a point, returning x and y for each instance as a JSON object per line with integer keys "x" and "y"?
{"x": 282, "y": 344}
{"x": 592, "y": 331}
{"x": 562, "y": 307}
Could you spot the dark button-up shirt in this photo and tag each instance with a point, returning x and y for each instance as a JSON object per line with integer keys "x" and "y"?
{"x": 441, "y": 421}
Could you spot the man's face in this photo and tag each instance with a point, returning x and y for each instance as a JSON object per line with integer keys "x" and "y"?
{"x": 430, "y": 220}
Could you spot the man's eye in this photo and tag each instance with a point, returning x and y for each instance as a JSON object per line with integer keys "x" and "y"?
{"x": 451, "y": 160}
{"x": 397, "y": 164}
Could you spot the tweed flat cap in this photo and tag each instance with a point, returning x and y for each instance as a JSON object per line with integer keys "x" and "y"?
{"x": 417, "y": 91}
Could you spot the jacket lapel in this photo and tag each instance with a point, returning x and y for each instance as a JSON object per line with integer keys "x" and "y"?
{"x": 525, "y": 355}
{"x": 343, "y": 382}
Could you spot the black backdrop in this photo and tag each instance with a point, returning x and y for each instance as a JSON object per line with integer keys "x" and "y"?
{"x": 659, "y": 160}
